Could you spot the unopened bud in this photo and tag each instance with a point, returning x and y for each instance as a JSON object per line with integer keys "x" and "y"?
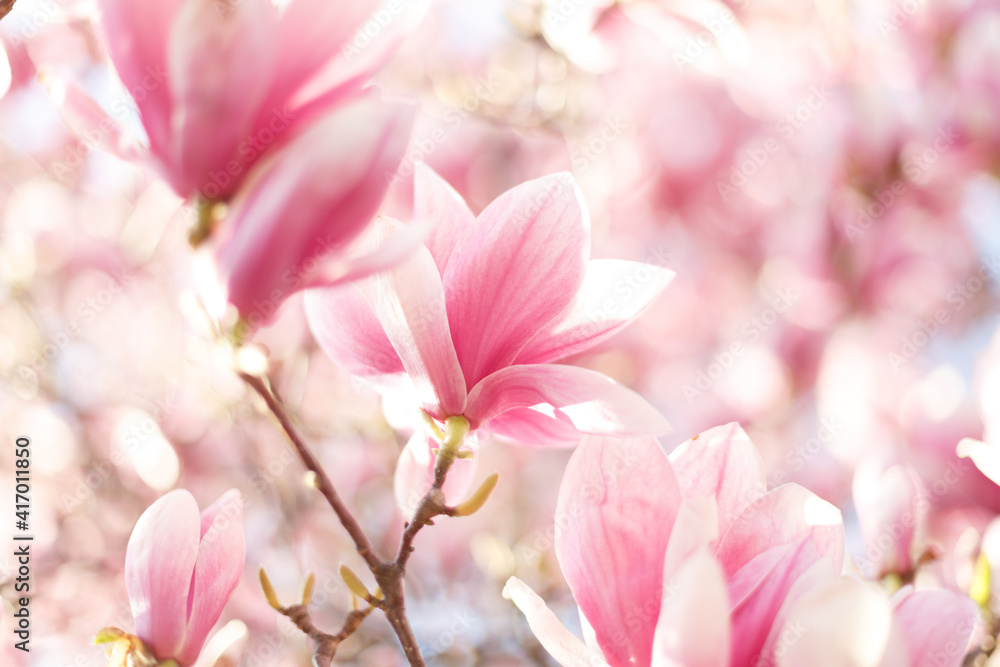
{"x": 272, "y": 597}
{"x": 354, "y": 583}
{"x": 478, "y": 497}
{"x": 307, "y": 592}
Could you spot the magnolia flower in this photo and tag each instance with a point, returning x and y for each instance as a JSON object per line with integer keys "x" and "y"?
{"x": 180, "y": 569}
{"x": 219, "y": 82}
{"x": 295, "y": 224}
{"x": 681, "y": 560}
{"x": 471, "y": 322}
{"x": 851, "y": 623}
{"x": 891, "y": 508}
{"x": 685, "y": 561}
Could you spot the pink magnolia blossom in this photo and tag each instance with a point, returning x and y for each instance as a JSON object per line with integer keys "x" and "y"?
{"x": 294, "y": 226}
{"x": 681, "y": 560}
{"x": 849, "y": 622}
{"x": 891, "y": 507}
{"x": 180, "y": 569}
{"x": 471, "y": 323}
{"x": 218, "y": 83}
{"x": 685, "y": 561}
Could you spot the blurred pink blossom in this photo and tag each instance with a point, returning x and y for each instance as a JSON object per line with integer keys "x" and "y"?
{"x": 891, "y": 506}
{"x": 181, "y": 568}
{"x": 218, "y": 83}
{"x": 294, "y": 226}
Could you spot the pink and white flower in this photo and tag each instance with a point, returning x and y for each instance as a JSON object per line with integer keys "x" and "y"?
{"x": 219, "y": 84}
{"x": 472, "y": 322}
{"x": 686, "y": 561}
{"x": 180, "y": 569}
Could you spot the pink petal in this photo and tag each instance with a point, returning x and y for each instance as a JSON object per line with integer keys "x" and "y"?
{"x": 435, "y": 200}
{"x": 563, "y": 645}
{"x": 618, "y": 501}
{"x": 820, "y": 573}
{"x": 346, "y": 327}
{"x": 613, "y": 294}
{"x": 86, "y": 117}
{"x": 221, "y": 554}
{"x": 137, "y": 35}
{"x": 415, "y": 474}
{"x": 378, "y": 257}
{"x": 842, "y": 624}
{"x": 159, "y": 563}
{"x": 592, "y": 403}
{"x": 889, "y": 506}
{"x": 693, "y": 626}
{"x": 221, "y": 62}
{"x": 723, "y": 464}
{"x": 986, "y": 456}
{"x": 309, "y": 201}
{"x": 310, "y": 33}
{"x": 517, "y": 268}
{"x": 760, "y": 589}
{"x": 370, "y": 47}
{"x": 937, "y": 625}
{"x": 410, "y": 305}
{"x": 532, "y": 428}
{"x": 784, "y": 516}
{"x": 695, "y": 528}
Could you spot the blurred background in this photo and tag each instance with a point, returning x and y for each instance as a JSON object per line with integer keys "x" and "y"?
{"x": 821, "y": 175}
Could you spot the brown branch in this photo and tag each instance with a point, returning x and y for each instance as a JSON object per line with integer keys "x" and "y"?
{"x": 326, "y": 644}
{"x": 388, "y": 574}
{"x": 5, "y": 7}
{"x": 323, "y": 482}
{"x": 431, "y": 506}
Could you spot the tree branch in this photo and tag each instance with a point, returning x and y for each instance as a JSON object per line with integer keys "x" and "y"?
{"x": 323, "y": 482}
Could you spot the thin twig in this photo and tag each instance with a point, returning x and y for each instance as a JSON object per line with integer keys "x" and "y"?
{"x": 431, "y": 505}
{"x": 326, "y": 644}
{"x": 323, "y": 482}
{"x": 389, "y": 575}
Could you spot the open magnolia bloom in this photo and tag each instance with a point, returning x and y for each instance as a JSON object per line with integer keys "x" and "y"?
{"x": 263, "y": 107}
{"x": 218, "y": 84}
{"x": 296, "y": 222}
{"x": 686, "y": 560}
{"x": 471, "y": 322}
{"x": 180, "y": 569}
